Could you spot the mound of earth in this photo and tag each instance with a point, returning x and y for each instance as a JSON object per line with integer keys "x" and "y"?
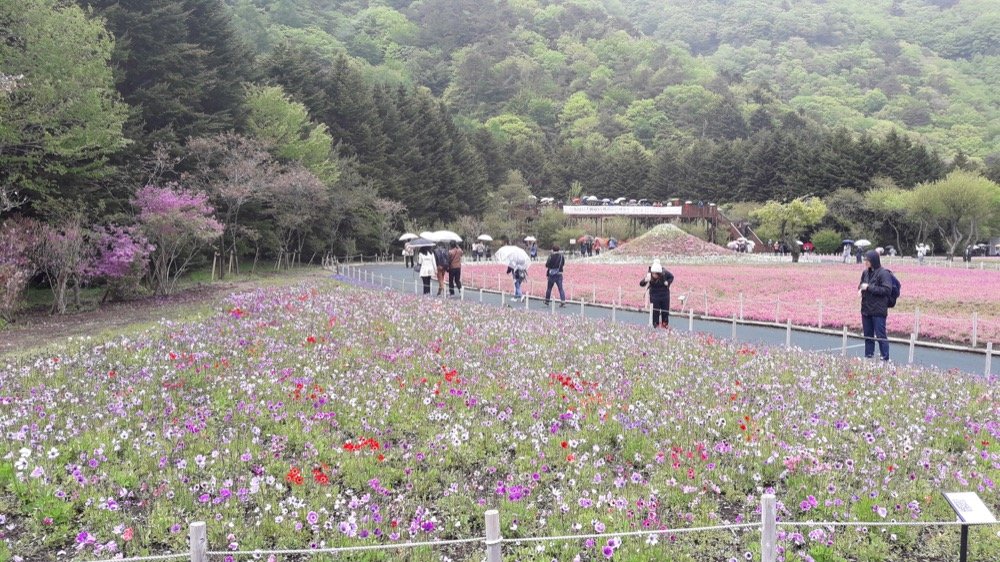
{"x": 668, "y": 240}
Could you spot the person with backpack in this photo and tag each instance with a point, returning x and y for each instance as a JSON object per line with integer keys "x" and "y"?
{"x": 554, "y": 272}
{"x": 441, "y": 260}
{"x": 659, "y": 280}
{"x": 878, "y": 289}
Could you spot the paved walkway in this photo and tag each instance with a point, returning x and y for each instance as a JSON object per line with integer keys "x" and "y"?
{"x": 396, "y": 277}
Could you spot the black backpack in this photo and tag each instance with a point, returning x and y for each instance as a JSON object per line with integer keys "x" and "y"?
{"x": 896, "y": 287}
{"x": 441, "y": 257}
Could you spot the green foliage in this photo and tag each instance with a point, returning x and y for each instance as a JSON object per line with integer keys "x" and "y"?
{"x": 274, "y": 118}
{"x": 788, "y": 221}
{"x": 827, "y": 241}
{"x": 62, "y": 119}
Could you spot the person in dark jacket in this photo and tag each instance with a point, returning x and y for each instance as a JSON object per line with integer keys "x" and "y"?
{"x": 875, "y": 288}
{"x": 554, "y": 272}
{"x": 658, "y": 280}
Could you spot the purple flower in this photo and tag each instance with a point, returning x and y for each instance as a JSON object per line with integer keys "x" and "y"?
{"x": 312, "y": 517}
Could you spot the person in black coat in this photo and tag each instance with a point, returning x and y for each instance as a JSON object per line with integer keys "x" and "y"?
{"x": 554, "y": 273}
{"x": 659, "y": 280}
{"x": 875, "y": 288}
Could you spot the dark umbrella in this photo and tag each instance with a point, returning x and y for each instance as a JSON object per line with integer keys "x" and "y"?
{"x": 421, "y": 243}
{"x": 847, "y": 241}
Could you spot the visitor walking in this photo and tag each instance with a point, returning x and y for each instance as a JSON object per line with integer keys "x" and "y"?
{"x": 875, "y": 288}
{"x": 428, "y": 267}
{"x": 408, "y": 256}
{"x": 658, "y": 280}
{"x": 441, "y": 261}
{"x": 554, "y": 272}
{"x": 454, "y": 268}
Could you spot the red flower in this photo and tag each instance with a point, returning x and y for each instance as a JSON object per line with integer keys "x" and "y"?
{"x": 564, "y": 444}
{"x": 294, "y": 476}
{"x": 311, "y": 339}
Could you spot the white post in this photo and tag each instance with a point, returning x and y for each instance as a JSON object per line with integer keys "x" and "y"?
{"x": 461, "y": 293}
{"x": 777, "y": 311}
{"x": 651, "y": 314}
{"x": 690, "y": 319}
{"x": 582, "y": 313}
{"x": 503, "y": 298}
{"x": 706, "y": 304}
{"x": 614, "y": 311}
{"x": 381, "y": 280}
{"x": 820, "y": 323}
{"x": 788, "y": 334}
{"x": 741, "y": 307}
{"x": 199, "y": 542}
{"x": 499, "y": 283}
{"x": 843, "y": 343}
{"x": 416, "y": 287}
{"x": 916, "y": 321}
{"x": 527, "y": 299}
{"x": 768, "y": 528}
{"x": 552, "y": 306}
{"x": 989, "y": 358}
{"x": 480, "y": 294}
{"x": 975, "y": 328}
{"x": 493, "y": 536}
{"x": 913, "y": 344}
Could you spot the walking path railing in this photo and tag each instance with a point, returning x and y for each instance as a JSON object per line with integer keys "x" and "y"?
{"x": 694, "y": 304}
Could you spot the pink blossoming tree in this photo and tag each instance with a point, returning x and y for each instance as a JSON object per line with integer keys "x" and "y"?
{"x": 178, "y": 223}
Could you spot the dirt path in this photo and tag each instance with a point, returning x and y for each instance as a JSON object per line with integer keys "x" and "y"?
{"x": 33, "y": 330}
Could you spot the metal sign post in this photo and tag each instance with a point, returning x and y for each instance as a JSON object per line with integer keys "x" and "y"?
{"x": 970, "y": 509}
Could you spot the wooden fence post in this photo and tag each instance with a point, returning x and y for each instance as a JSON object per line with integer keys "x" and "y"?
{"x": 493, "y": 553}
{"x": 199, "y": 542}
{"x": 768, "y": 528}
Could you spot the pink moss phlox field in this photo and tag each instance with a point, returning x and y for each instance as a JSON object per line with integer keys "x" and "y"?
{"x": 937, "y": 302}
{"x": 331, "y": 415}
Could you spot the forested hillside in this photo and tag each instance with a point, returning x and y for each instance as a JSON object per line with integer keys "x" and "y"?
{"x": 610, "y": 74}
{"x": 278, "y": 128}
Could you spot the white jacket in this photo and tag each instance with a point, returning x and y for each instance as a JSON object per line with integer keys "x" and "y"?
{"x": 428, "y": 265}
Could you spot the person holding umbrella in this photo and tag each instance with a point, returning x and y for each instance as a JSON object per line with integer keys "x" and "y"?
{"x": 659, "y": 281}
{"x": 517, "y": 262}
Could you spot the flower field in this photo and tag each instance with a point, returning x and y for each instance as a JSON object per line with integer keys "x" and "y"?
{"x": 939, "y": 303}
{"x": 332, "y": 415}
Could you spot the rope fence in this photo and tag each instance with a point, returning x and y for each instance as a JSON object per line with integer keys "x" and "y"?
{"x": 493, "y": 542}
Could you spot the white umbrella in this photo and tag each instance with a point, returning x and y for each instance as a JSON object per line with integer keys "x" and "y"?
{"x": 862, "y": 243}
{"x": 408, "y": 236}
{"x": 513, "y": 256}
{"x": 428, "y": 235}
{"x": 732, "y": 244}
{"x": 485, "y": 238}
{"x": 530, "y": 239}
{"x": 446, "y": 236}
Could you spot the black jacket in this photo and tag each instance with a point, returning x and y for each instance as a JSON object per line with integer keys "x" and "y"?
{"x": 875, "y": 300}
{"x": 659, "y": 287}
{"x": 556, "y": 261}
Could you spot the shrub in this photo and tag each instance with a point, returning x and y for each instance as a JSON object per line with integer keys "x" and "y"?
{"x": 121, "y": 259}
{"x": 827, "y": 241}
